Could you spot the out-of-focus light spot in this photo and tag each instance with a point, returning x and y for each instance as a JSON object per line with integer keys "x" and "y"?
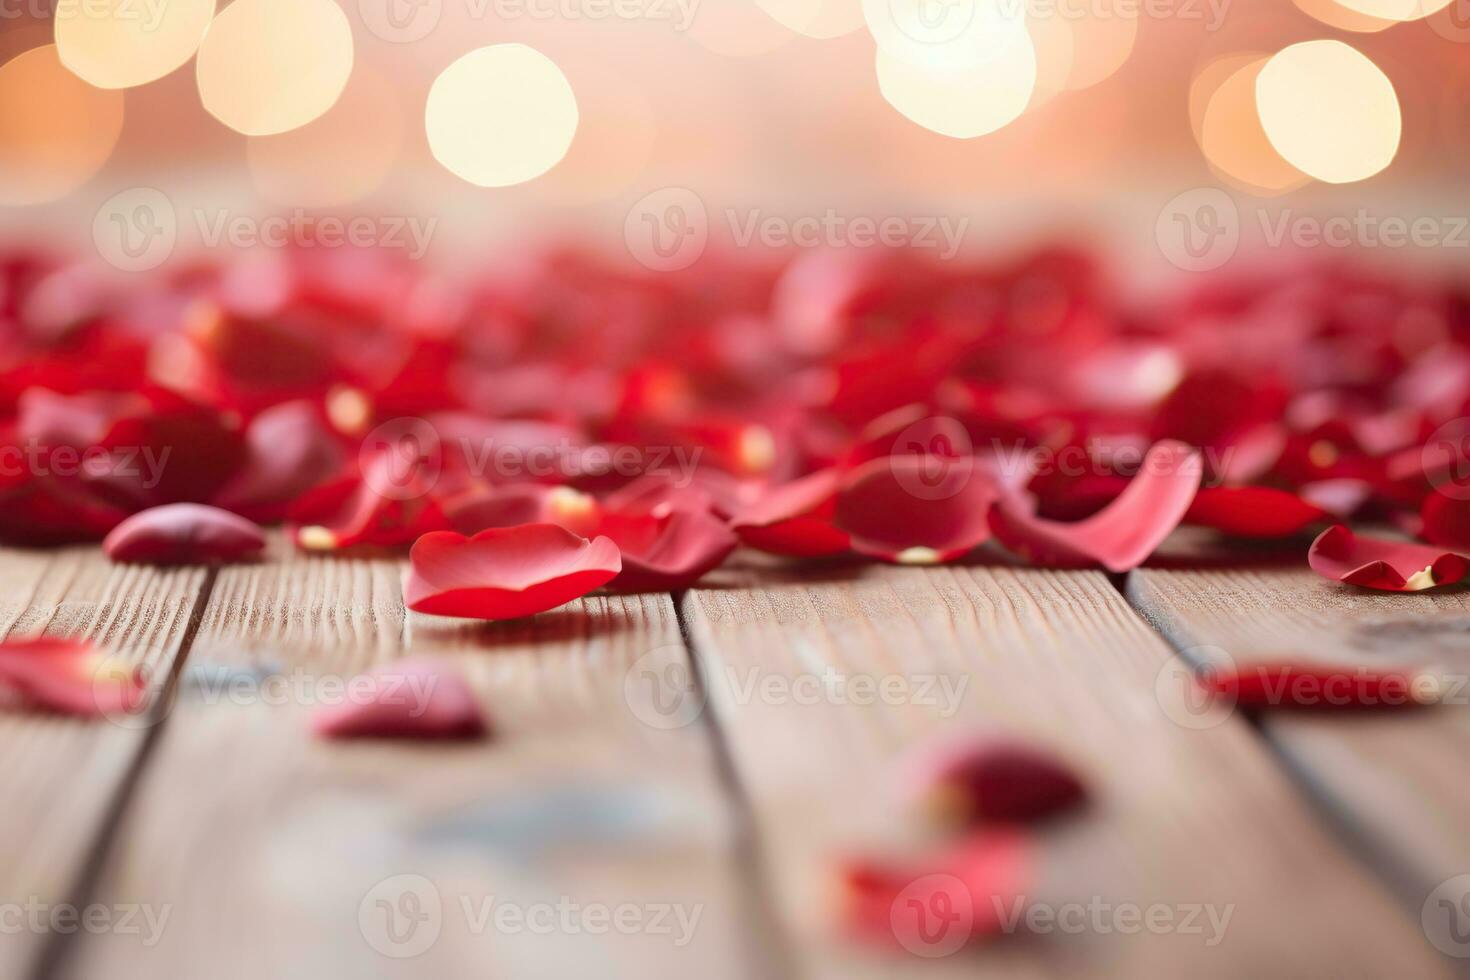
{"x": 339, "y": 158}
{"x": 1052, "y": 39}
{"x": 1396, "y": 10}
{"x": 615, "y": 137}
{"x": 56, "y": 131}
{"x": 1234, "y": 142}
{"x": 737, "y": 28}
{"x": 1207, "y": 81}
{"x": 948, "y": 37}
{"x": 1102, "y": 38}
{"x": 501, "y": 115}
{"x": 122, "y": 43}
{"x": 1329, "y": 111}
{"x": 268, "y": 66}
{"x": 816, "y": 18}
{"x": 962, "y": 104}
{"x": 1334, "y": 14}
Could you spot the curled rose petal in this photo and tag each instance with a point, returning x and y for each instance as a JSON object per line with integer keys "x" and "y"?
{"x": 391, "y": 504}
{"x": 795, "y": 518}
{"x": 916, "y": 509}
{"x": 70, "y": 677}
{"x": 1320, "y": 686}
{"x": 1375, "y": 563}
{"x": 289, "y": 451}
{"x": 184, "y": 534}
{"x": 890, "y": 901}
{"x": 1446, "y": 520}
{"x": 672, "y": 551}
{"x": 1121, "y": 535}
{"x": 404, "y": 699}
{"x": 1252, "y": 512}
{"x": 504, "y": 573}
{"x": 991, "y": 779}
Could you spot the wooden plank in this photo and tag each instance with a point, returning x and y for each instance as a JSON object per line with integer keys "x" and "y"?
{"x": 284, "y": 856}
{"x": 63, "y": 775}
{"x": 1183, "y": 817}
{"x": 1397, "y": 777}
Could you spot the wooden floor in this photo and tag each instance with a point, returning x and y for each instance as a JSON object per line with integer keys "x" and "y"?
{"x": 672, "y": 777}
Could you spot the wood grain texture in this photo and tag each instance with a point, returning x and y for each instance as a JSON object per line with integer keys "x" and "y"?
{"x": 1397, "y": 775}
{"x": 285, "y": 856}
{"x": 1182, "y": 817}
{"x": 62, "y": 775}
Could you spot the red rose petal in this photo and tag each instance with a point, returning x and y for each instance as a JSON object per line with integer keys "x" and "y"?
{"x": 1446, "y": 520}
{"x": 70, "y": 677}
{"x": 1390, "y": 566}
{"x": 916, "y": 903}
{"x": 795, "y": 518}
{"x": 290, "y": 450}
{"x": 504, "y": 573}
{"x": 184, "y": 534}
{"x": 1320, "y": 686}
{"x": 664, "y": 553}
{"x": 480, "y": 508}
{"x": 1121, "y": 535}
{"x": 992, "y": 779}
{"x": 1252, "y": 512}
{"x": 404, "y": 699}
{"x": 916, "y": 508}
{"x": 392, "y": 504}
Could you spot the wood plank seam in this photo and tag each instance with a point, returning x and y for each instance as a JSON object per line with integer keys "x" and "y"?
{"x": 758, "y": 894}
{"x": 1377, "y": 855}
{"x": 51, "y": 959}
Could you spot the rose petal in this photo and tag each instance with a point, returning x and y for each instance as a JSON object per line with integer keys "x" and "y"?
{"x": 391, "y": 504}
{"x": 1320, "y": 686}
{"x": 504, "y": 573}
{"x": 669, "y": 552}
{"x": 184, "y": 534}
{"x": 895, "y": 901}
{"x": 1252, "y": 512}
{"x": 795, "y": 518}
{"x": 1446, "y": 520}
{"x": 991, "y": 779}
{"x": 916, "y": 509}
{"x": 290, "y": 450}
{"x": 70, "y": 677}
{"x": 1121, "y": 535}
{"x": 1375, "y": 563}
{"x": 404, "y": 699}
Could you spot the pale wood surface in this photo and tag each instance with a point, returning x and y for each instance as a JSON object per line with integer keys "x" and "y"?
{"x": 1400, "y": 775}
{"x": 1182, "y": 816}
{"x": 63, "y": 775}
{"x": 267, "y": 842}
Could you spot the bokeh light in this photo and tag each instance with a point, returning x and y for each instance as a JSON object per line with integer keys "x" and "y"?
{"x": 1334, "y": 14}
{"x": 336, "y": 159}
{"x": 952, "y": 37}
{"x": 501, "y": 115}
{"x": 269, "y": 66}
{"x": 1103, "y": 36}
{"x": 966, "y": 103}
{"x": 820, "y": 19}
{"x": 1329, "y": 111}
{"x": 122, "y": 43}
{"x": 1053, "y": 41}
{"x": 51, "y": 143}
{"x": 1234, "y": 141}
{"x": 1396, "y": 10}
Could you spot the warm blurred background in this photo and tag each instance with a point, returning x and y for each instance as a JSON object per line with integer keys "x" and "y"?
{"x": 1031, "y": 117}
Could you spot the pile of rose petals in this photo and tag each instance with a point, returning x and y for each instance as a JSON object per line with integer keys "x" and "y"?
{"x": 878, "y": 404}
